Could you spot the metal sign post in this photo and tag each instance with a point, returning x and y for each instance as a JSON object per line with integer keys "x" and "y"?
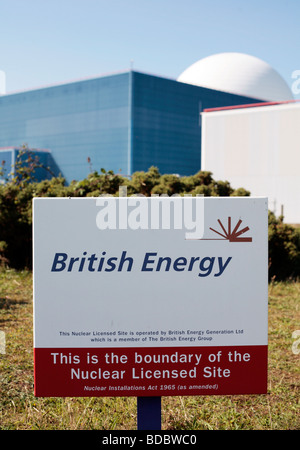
{"x": 149, "y": 413}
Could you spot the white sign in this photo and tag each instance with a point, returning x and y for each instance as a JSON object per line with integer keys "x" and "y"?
{"x": 138, "y": 292}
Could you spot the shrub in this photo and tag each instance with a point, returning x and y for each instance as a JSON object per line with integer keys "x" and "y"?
{"x": 284, "y": 249}
{"x": 16, "y": 224}
{"x": 16, "y": 210}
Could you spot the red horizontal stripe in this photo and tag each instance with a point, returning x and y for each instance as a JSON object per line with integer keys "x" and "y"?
{"x": 118, "y": 372}
{"x": 249, "y": 105}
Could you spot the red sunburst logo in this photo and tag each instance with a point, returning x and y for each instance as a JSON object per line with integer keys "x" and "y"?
{"x": 232, "y": 235}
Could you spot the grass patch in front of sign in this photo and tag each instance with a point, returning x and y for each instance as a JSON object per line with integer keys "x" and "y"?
{"x": 20, "y": 410}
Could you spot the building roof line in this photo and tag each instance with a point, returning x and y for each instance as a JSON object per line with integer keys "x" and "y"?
{"x": 12, "y": 147}
{"x": 78, "y": 80}
{"x": 249, "y": 105}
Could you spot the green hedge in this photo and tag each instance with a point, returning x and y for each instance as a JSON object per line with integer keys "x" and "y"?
{"x": 16, "y": 211}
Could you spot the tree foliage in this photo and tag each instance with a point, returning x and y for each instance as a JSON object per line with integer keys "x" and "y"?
{"x": 16, "y": 209}
{"x": 284, "y": 249}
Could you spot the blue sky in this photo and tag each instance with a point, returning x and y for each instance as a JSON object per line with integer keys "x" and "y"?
{"x": 44, "y": 42}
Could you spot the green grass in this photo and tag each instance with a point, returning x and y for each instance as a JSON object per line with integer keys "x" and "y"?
{"x": 20, "y": 410}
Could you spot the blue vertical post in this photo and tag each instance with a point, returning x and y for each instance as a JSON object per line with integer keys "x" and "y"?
{"x": 149, "y": 413}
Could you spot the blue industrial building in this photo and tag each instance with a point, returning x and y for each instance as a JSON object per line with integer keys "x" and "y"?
{"x": 125, "y": 122}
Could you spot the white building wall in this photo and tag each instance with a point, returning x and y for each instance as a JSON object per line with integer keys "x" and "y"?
{"x": 257, "y": 148}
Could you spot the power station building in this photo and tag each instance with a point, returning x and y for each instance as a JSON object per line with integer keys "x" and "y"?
{"x": 130, "y": 121}
{"x": 124, "y": 122}
{"x": 257, "y": 147}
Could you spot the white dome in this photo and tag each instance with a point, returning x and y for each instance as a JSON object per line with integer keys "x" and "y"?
{"x": 240, "y": 74}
